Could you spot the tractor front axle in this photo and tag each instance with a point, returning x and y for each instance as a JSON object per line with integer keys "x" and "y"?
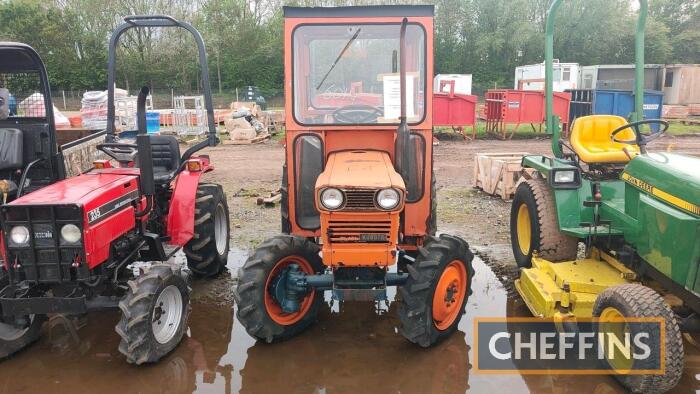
{"x": 292, "y": 284}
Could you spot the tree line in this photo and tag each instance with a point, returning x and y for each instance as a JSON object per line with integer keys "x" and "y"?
{"x": 487, "y": 38}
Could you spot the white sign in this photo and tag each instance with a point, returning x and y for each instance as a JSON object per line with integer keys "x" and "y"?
{"x": 392, "y": 96}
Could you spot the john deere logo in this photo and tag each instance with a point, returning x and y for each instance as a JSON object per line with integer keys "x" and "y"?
{"x": 43, "y": 235}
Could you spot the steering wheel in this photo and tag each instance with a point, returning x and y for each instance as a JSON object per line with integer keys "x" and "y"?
{"x": 123, "y": 153}
{"x": 641, "y": 139}
{"x": 357, "y": 114}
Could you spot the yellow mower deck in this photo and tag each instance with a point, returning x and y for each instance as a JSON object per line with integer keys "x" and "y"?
{"x": 543, "y": 287}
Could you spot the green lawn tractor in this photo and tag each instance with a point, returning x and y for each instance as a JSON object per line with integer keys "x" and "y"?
{"x": 636, "y": 212}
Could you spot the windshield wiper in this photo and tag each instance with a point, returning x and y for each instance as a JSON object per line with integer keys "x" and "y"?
{"x": 350, "y": 41}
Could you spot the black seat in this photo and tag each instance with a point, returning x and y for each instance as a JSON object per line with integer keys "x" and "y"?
{"x": 166, "y": 157}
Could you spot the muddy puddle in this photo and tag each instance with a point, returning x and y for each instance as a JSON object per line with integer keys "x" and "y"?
{"x": 354, "y": 348}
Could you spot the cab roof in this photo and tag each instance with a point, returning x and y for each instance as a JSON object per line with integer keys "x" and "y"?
{"x": 359, "y": 11}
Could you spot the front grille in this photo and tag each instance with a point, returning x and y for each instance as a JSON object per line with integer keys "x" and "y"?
{"x": 45, "y": 259}
{"x": 359, "y": 200}
{"x": 348, "y": 231}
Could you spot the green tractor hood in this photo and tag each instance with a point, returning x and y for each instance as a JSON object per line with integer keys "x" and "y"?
{"x": 672, "y": 178}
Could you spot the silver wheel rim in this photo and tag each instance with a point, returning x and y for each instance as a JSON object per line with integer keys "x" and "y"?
{"x": 220, "y": 236}
{"x": 9, "y": 332}
{"x": 167, "y": 314}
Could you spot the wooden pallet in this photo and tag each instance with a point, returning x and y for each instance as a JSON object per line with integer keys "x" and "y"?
{"x": 498, "y": 173}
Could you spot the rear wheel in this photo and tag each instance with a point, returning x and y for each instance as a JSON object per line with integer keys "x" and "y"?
{"x": 258, "y": 308}
{"x": 534, "y": 225}
{"x": 207, "y": 252}
{"x": 438, "y": 286}
{"x": 14, "y": 338}
{"x": 155, "y": 311}
{"x": 638, "y": 301}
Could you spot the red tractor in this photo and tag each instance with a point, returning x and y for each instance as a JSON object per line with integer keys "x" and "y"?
{"x": 124, "y": 236}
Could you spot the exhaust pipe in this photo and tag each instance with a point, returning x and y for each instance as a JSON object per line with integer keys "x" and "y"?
{"x": 143, "y": 144}
{"x": 403, "y": 134}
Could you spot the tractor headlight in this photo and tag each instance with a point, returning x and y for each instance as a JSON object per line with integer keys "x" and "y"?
{"x": 567, "y": 176}
{"x": 388, "y": 198}
{"x": 70, "y": 233}
{"x": 19, "y": 235}
{"x": 332, "y": 198}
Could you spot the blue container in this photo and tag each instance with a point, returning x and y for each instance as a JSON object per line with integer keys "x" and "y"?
{"x": 613, "y": 102}
{"x": 12, "y": 103}
{"x": 621, "y": 103}
{"x": 152, "y": 122}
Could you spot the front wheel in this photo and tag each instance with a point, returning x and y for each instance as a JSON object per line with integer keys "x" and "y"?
{"x": 155, "y": 311}
{"x": 258, "y": 308}
{"x": 621, "y": 302}
{"x": 436, "y": 292}
{"x": 14, "y": 338}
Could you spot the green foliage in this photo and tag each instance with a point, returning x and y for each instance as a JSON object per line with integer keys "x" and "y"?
{"x": 487, "y": 38}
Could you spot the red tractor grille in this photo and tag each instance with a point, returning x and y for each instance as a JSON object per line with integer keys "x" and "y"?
{"x": 347, "y": 231}
{"x": 359, "y": 200}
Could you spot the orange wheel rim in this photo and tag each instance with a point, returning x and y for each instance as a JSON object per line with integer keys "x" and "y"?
{"x": 272, "y": 307}
{"x": 449, "y": 295}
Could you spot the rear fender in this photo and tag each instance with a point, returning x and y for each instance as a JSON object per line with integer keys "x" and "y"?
{"x": 568, "y": 200}
{"x": 180, "y": 221}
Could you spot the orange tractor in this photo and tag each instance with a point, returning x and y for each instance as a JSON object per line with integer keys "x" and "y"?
{"x": 358, "y": 206}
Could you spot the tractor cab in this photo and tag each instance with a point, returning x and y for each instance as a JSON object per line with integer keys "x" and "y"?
{"x": 358, "y": 195}
{"x": 343, "y": 82}
{"x": 28, "y": 150}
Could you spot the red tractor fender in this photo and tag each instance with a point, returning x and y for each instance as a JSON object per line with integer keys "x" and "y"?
{"x": 180, "y": 221}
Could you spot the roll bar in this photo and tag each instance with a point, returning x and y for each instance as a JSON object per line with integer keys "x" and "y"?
{"x": 552, "y": 121}
{"x": 143, "y": 21}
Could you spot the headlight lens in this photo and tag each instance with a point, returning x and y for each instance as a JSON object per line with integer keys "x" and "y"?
{"x": 388, "y": 198}
{"x": 332, "y": 198}
{"x": 565, "y": 176}
{"x": 19, "y": 235}
{"x": 70, "y": 233}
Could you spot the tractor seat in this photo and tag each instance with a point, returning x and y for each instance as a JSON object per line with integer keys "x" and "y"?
{"x": 590, "y": 139}
{"x": 165, "y": 151}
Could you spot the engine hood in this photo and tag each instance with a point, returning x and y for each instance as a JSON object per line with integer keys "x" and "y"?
{"x": 362, "y": 169}
{"x": 672, "y": 177}
{"x": 80, "y": 190}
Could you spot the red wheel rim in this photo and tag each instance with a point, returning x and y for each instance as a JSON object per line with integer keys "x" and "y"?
{"x": 449, "y": 295}
{"x": 272, "y": 307}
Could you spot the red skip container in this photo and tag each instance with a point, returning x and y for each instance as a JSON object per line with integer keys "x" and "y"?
{"x": 455, "y": 110}
{"x": 505, "y": 106}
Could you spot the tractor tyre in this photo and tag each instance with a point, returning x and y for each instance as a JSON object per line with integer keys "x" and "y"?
{"x": 436, "y": 292}
{"x": 534, "y": 225}
{"x": 155, "y": 311}
{"x": 284, "y": 202}
{"x": 258, "y": 310}
{"x": 638, "y": 301}
{"x": 207, "y": 251}
{"x": 13, "y": 338}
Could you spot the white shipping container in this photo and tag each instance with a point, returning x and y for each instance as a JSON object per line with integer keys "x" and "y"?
{"x": 463, "y": 83}
{"x": 531, "y": 77}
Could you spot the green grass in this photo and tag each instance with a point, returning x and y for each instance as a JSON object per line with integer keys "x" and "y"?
{"x": 525, "y": 131}
{"x": 677, "y": 128}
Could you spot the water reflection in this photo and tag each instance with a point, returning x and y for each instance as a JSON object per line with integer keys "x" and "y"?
{"x": 354, "y": 347}
{"x": 356, "y": 351}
